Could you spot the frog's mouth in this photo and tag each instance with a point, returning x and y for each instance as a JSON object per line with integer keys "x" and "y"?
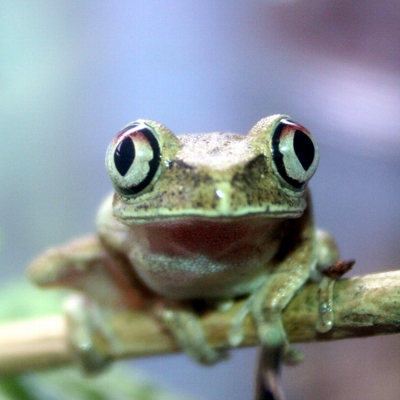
{"x": 165, "y": 215}
{"x": 169, "y": 208}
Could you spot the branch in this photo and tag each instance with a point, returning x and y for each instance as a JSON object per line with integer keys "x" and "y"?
{"x": 363, "y": 306}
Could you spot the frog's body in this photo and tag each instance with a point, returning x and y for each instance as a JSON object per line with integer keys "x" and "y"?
{"x": 208, "y": 216}
{"x": 208, "y": 258}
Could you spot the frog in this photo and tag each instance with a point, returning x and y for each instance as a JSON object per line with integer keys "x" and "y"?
{"x": 197, "y": 218}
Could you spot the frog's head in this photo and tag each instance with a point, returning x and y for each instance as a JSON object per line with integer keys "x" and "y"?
{"x": 158, "y": 176}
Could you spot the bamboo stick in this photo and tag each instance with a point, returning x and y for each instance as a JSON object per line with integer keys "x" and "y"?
{"x": 363, "y": 306}
{"x": 33, "y": 344}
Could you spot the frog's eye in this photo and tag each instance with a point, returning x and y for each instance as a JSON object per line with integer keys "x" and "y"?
{"x": 295, "y": 153}
{"x": 133, "y": 158}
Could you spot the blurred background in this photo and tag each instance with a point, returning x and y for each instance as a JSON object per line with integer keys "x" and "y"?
{"x": 72, "y": 73}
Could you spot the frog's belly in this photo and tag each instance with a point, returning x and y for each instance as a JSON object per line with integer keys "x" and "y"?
{"x": 202, "y": 259}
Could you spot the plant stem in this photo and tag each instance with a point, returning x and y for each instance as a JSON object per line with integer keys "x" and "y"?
{"x": 363, "y": 306}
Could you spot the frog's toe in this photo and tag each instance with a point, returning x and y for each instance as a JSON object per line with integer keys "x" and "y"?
{"x": 236, "y": 333}
{"x": 205, "y": 354}
{"x": 196, "y": 346}
{"x": 88, "y": 339}
{"x": 272, "y": 335}
{"x": 291, "y": 355}
{"x": 187, "y": 330}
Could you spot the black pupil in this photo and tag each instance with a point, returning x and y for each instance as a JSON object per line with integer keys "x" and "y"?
{"x": 124, "y": 156}
{"x": 304, "y": 149}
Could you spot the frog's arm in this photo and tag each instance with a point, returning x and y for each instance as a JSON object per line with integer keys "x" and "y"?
{"x": 291, "y": 268}
{"x": 84, "y": 265}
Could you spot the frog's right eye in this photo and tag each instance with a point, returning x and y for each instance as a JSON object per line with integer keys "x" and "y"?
{"x": 133, "y": 158}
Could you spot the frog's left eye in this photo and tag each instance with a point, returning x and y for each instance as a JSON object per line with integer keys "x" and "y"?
{"x": 133, "y": 158}
{"x": 295, "y": 153}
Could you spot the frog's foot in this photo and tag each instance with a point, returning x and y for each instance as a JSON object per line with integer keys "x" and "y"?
{"x": 236, "y": 333}
{"x": 88, "y": 338}
{"x": 185, "y": 326}
{"x": 270, "y": 329}
{"x": 325, "y": 305}
{"x": 325, "y": 293}
{"x": 272, "y": 335}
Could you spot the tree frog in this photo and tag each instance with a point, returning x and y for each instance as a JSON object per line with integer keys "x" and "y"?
{"x": 199, "y": 217}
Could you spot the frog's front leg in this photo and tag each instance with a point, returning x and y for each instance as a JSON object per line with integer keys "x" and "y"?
{"x": 266, "y": 303}
{"x": 85, "y": 266}
{"x": 184, "y": 324}
{"x": 266, "y": 306}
